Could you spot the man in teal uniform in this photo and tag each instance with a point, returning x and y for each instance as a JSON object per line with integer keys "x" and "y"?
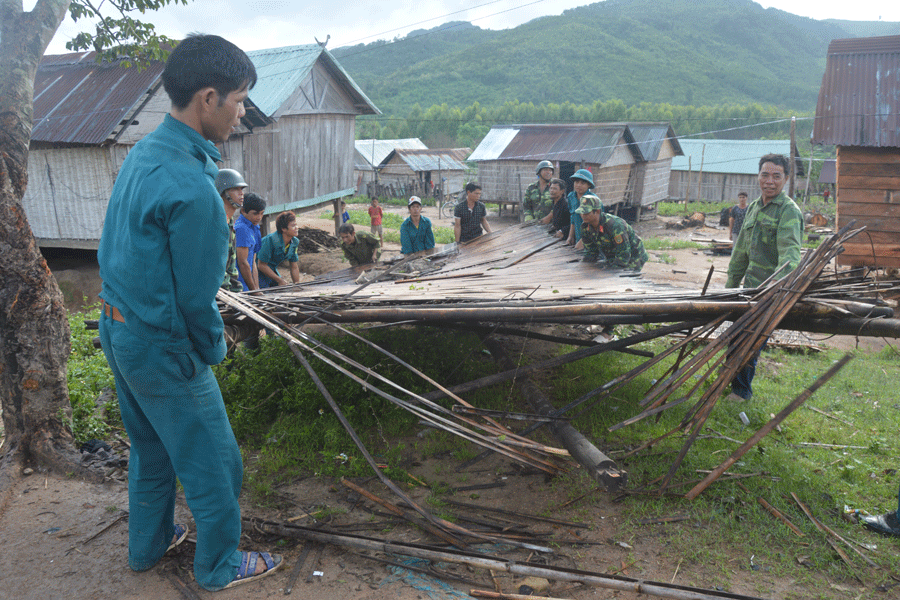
{"x": 769, "y": 238}
{"x": 609, "y": 237}
{"x": 359, "y": 247}
{"x": 162, "y": 259}
{"x": 537, "y": 202}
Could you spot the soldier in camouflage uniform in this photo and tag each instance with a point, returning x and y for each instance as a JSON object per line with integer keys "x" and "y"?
{"x": 360, "y": 247}
{"x": 230, "y": 185}
{"x": 537, "y": 200}
{"x": 608, "y": 236}
{"x": 769, "y": 238}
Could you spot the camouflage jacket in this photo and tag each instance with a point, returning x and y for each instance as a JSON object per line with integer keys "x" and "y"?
{"x": 770, "y": 236}
{"x": 231, "y": 282}
{"x": 365, "y": 250}
{"x": 537, "y": 204}
{"x": 617, "y": 242}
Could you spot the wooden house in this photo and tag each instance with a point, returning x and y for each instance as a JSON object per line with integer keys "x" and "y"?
{"x": 630, "y": 162}
{"x": 371, "y": 153}
{"x": 427, "y": 172}
{"x": 859, "y": 112}
{"x": 295, "y": 145}
{"x": 717, "y": 170}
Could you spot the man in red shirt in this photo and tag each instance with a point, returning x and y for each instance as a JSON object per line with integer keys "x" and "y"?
{"x": 376, "y": 214}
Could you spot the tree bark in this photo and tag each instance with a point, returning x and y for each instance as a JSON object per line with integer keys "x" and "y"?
{"x": 34, "y": 331}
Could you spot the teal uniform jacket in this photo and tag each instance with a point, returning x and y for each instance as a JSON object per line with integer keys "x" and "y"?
{"x": 159, "y": 267}
{"x": 273, "y": 252}
{"x": 575, "y": 202}
{"x": 770, "y": 237}
{"x": 416, "y": 239}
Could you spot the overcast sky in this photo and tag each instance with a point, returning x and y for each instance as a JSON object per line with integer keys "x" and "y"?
{"x": 256, "y": 24}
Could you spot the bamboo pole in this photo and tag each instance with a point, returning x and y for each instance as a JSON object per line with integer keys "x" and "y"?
{"x": 613, "y": 582}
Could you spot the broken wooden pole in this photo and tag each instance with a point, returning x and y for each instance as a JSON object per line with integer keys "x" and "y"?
{"x": 768, "y": 427}
{"x": 472, "y": 559}
{"x": 599, "y": 466}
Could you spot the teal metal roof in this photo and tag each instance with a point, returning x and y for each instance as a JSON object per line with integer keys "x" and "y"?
{"x": 740, "y": 157}
{"x": 280, "y": 71}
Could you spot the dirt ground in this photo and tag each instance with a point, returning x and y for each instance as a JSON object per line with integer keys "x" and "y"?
{"x": 65, "y": 538}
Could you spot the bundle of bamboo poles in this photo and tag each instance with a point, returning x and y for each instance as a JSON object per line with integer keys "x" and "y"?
{"x": 732, "y": 350}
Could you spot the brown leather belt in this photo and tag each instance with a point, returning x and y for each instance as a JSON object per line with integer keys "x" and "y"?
{"x": 112, "y": 311}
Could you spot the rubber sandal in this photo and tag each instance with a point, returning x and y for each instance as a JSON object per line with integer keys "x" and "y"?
{"x": 248, "y": 566}
{"x": 181, "y": 532}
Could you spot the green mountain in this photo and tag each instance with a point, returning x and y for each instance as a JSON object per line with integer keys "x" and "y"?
{"x": 683, "y": 52}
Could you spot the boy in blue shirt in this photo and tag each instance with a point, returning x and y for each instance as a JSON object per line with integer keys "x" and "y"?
{"x": 247, "y": 240}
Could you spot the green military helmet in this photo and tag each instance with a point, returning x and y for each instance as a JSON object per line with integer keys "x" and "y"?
{"x": 544, "y": 164}
{"x": 584, "y": 175}
{"x": 589, "y": 203}
{"x": 229, "y": 178}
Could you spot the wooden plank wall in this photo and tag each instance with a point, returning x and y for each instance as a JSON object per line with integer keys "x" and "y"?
{"x": 716, "y": 187}
{"x": 868, "y": 191}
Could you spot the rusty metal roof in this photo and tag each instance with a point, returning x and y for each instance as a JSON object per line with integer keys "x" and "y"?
{"x": 592, "y": 143}
{"x": 78, "y": 101}
{"x": 426, "y": 160}
{"x": 859, "y": 102}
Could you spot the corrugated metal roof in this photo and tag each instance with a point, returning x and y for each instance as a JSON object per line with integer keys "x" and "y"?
{"x": 494, "y": 143}
{"x": 79, "y": 101}
{"x": 859, "y": 102}
{"x": 740, "y": 157}
{"x": 592, "y": 143}
{"x": 650, "y": 137}
{"x": 375, "y": 151}
{"x": 280, "y": 71}
{"x": 427, "y": 160}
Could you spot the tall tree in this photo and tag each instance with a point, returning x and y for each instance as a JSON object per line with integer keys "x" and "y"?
{"x": 34, "y": 331}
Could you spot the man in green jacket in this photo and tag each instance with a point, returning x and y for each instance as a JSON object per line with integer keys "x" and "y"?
{"x": 359, "y": 247}
{"x": 769, "y": 239}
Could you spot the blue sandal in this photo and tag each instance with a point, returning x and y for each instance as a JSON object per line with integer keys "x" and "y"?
{"x": 247, "y": 568}
{"x": 181, "y": 532}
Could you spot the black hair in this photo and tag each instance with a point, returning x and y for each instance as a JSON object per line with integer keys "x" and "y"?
{"x": 346, "y": 228}
{"x": 471, "y": 187}
{"x": 253, "y": 202}
{"x": 200, "y": 61}
{"x": 744, "y": 193}
{"x": 777, "y": 160}
{"x": 283, "y": 220}
{"x": 559, "y": 183}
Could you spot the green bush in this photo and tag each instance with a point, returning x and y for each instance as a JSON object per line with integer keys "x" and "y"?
{"x": 88, "y": 374}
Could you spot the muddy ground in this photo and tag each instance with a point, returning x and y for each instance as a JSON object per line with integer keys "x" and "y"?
{"x": 65, "y": 538}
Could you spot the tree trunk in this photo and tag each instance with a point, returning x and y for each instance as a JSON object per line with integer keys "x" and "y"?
{"x": 34, "y": 331}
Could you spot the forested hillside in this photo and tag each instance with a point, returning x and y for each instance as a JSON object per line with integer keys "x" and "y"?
{"x": 679, "y": 52}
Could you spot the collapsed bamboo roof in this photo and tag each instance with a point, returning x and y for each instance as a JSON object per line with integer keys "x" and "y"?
{"x": 521, "y": 274}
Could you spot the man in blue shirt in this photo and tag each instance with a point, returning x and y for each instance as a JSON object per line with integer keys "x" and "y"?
{"x": 162, "y": 259}
{"x": 247, "y": 240}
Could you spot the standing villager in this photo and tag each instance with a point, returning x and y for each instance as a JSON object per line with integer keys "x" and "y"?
{"x": 608, "y": 238}
{"x": 537, "y": 199}
{"x": 359, "y": 247}
{"x": 162, "y": 259}
{"x": 376, "y": 214}
{"x": 559, "y": 217}
{"x": 736, "y": 216}
{"x": 470, "y": 217}
{"x": 230, "y": 184}
{"x": 415, "y": 231}
{"x": 769, "y": 238}
{"x": 582, "y": 181}
{"x": 248, "y": 240}
{"x": 279, "y": 246}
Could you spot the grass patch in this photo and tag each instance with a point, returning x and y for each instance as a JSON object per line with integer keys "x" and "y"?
{"x": 671, "y": 243}
{"x": 87, "y": 375}
{"x": 679, "y": 209}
